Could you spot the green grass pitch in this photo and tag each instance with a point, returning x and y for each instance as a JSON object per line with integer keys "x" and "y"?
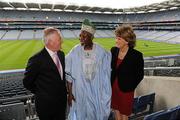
{"x": 14, "y": 54}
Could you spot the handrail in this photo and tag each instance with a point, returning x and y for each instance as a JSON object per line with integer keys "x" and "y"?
{"x": 162, "y": 68}
{"x": 16, "y": 98}
{"x": 148, "y": 68}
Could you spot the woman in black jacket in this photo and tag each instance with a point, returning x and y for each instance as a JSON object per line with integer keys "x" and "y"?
{"x": 127, "y": 71}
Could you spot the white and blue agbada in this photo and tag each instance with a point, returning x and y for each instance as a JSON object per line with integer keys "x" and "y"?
{"x": 89, "y": 73}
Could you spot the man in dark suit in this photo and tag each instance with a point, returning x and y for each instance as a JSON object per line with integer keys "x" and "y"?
{"x": 45, "y": 77}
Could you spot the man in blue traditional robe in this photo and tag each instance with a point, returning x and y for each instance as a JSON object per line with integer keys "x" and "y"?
{"x": 88, "y": 77}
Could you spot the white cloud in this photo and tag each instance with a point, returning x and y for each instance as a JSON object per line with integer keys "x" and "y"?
{"x": 99, "y": 3}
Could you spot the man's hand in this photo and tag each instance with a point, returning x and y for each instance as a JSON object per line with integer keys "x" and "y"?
{"x": 70, "y": 99}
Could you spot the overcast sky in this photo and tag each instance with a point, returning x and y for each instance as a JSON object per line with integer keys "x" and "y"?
{"x": 99, "y": 3}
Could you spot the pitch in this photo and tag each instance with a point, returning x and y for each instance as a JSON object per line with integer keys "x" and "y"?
{"x": 15, "y": 53}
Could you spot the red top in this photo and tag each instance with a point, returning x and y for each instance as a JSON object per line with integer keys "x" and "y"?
{"x": 120, "y": 100}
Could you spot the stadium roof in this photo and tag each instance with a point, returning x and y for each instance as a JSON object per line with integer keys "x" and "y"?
{"x": 171, "y": 4}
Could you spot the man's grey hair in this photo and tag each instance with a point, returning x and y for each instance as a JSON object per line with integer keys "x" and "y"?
{"x": 48, "y": 31}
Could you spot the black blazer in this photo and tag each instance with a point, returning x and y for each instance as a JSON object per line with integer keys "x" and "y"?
{"x": 43, "y": 79}
{"x": 130, "y": 72}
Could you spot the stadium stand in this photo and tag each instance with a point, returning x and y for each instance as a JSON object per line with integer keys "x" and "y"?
{"x": 38, "y": 34}
{"x": 17, "y": 27}
{"x": 76, "y": 33}
{"x": 13, "y": 92}
{"x": 143, "y": 105}
{"x": 28, "y": 15}
{"x": 160, "y": 26}
{"x": 2, "y": 33}
{"x": 160, "y": 36}
{"x": 162, "y": 61}
{"x": 110, "y": 33}
{"x": 170, "y": 114}
{"x": 162, "y": 66}
{"x": 68, "y": 34}
{"x": 101, "y": 34}
{"x": 175, "y": 39}
{"x": 11, "y": 84}
{"x": 11, "y": 35}
{"x": 169, "y": 36}
{"x": 14, "y": 111}
{"x": 26, "y": 35}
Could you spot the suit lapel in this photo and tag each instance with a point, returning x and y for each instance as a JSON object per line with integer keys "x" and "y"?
{"x": 116, "y": 52}
{"x": 50, "y": 61}
{"x": 125, "y": 60}
{"x": 60, "y": 58}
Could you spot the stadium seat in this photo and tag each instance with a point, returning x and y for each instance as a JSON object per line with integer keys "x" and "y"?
{"x": 9, "y": 94}
{"x": 170, "y": 114}
{"x": 176, "y": 114}
{"x": 14, "y": 111}
{"x": 135, "y": 105}
{"x": 150, "y": 117}
{"x": 141, "y": 103}
{"x": 1, "y": 96}
{"x": 11, "y": 102}
{"x": 22, "y": 93}
{"x": 144, "y": 101}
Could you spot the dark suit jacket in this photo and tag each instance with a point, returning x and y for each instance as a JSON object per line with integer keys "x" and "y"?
{"x": 130, "y": 72}
{"x": 43, "y": 79}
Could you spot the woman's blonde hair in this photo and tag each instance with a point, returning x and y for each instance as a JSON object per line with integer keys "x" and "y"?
{"x": 126, "y": 32}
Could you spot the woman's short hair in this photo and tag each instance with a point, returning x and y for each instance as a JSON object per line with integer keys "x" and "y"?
{"x": 126, "y": 32}
{"x": 47, "y": 31}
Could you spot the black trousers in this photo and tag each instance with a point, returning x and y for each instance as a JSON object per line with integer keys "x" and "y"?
{"x": 51, "y": 110}
{"x": 56, "y": 116}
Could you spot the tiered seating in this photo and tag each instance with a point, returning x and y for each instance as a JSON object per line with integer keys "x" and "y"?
{"x": 68, "y": 34}
{"x": 102, "y": 34}
{"x": 26, "y": 35}
{"x": 169, "y": 15}
{"x": 2, "y": 33}
{"x": 76, "y": 33}
{"x": 156, "y": 35}
{"x": 18, "y": 108}
{"x": 170, "y": 114}
{"x": 11, "y": 84}
{"x": 11, "y": 35}
{"x": 169, "y": 36}
{"x": 10, "y": 88}
{"x": 38, "y": 34}
{"x": 144, "y": 34}
{"x": 56, "y": 16}
{"x": 109, "y": 32}
{"x": 156, "y": 63}
{"x": 175, "y": 39}
{"x": 143, "y": 105}
{"x": 14, "y": 111}
{"x": 159, "y": 36}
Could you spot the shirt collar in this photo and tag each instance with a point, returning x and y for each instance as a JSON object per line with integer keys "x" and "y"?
{"x": 51, "y": 53}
